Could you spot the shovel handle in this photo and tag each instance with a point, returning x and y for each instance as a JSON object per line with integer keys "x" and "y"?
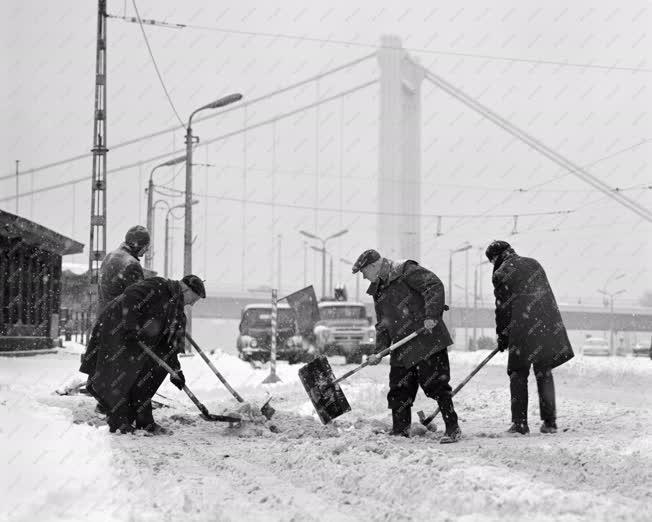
{"x": 382, "y": 354}
{"x": 427, "y": 420}
{"x": 172, "y": 372}
{"x": 238, "y": 397}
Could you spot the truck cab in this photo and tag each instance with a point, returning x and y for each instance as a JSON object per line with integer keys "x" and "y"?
{"x": 255, "y": 340}
{"x": 344, "y": 329}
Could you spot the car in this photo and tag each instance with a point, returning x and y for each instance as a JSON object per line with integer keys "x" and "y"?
{"x": 642, "y": 350}
{"x": 595, "y": 346}
{"x": 344, "y": 329}
{"x": 254, "y": 342}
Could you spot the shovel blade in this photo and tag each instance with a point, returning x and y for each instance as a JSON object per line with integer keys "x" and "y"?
{"x": 220, "y": 418}
{"x": 325, "y": 394}
{"x": 267, "y": 410}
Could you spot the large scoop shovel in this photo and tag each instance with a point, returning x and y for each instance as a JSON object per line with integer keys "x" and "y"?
{"x": 266, "y": 409}
{"x": 323, "y": 388}
{"x": 204, "y": 411}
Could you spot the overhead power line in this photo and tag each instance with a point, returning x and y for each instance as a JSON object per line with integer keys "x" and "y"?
{"x": 212, "y": 114}
{"x": 368, "y": 212}
{"x": 158, "y": 72}
{"x": 538, "y": 146}
{"x": 459, "y": 54}
{"x": 207, "y": 142}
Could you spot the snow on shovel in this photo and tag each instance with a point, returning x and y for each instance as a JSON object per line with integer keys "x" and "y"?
{"x": 266, "y": 408}
{"x": 204, "y": 411}
{"x": 427, "y": 420}
{"x": 323, "y": 388}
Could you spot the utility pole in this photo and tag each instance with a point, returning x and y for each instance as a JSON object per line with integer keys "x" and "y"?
{"x": 305, "y": 263}
{"x": 149, "y": 255}
{"x": 612, "y": 321}
{"x": 97, "y": 243}
{"x": 332, "y": 293}
{"x": 323, "y": 253}
{"x": 279, "y": 257}
{"x": 17, "y": 188}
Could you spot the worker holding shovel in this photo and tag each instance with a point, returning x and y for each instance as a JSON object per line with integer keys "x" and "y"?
{"x": 134, "y": 345}
{"x": 408, "y": 298}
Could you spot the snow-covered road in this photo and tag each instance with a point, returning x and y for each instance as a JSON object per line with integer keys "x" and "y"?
{"x": 62, "y": 464}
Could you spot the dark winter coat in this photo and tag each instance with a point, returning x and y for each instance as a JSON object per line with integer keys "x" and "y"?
{"x": 528, "y": 321}
{"x": 405, "y": 295}
{"x": 150, "y": 311}
{"x": 119, "y": 269}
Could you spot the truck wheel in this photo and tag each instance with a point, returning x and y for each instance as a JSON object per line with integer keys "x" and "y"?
{"x": 353, "y": 358}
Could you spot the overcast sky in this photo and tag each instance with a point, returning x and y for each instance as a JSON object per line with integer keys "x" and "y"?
{"x": 598, "y": 117}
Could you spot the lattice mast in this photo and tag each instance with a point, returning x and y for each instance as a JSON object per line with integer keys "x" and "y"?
{"x": 97, "y": 244}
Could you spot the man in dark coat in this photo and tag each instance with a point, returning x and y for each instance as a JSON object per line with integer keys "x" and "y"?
{"x": 122, "y": 376}
{"x": 529, "y": 325}
{"x": 121, "y": 267}
{"x": 407, "y": 298}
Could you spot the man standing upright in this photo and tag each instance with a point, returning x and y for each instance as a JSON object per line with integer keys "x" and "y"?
{"x": 121, "y": 267}
{"x": 529, "y": 325}
{"x": 407, "y": 298}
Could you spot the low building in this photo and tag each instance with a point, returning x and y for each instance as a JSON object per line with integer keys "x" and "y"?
{"x": 30, "y": 283}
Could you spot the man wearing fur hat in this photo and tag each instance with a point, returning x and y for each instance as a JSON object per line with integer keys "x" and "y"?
{"x": 121, "y": 267}
{"x": 529, "y": 325}
{"x": 122, "y": 376}
{"x": 408, "y": 297}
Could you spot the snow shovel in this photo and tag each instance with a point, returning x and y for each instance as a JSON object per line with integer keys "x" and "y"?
{"x": 427, "y": 420}
{"x": 204, "y": 411}
{"x": 323, "y": 389}
{"x": 266, "y": 408}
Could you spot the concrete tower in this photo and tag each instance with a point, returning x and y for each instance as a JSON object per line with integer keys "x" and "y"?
{"x": 399, "y": 174}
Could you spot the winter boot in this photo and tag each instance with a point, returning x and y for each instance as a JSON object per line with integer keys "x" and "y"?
{"x": 123, "y": 428}
{"x": 100, "y": 409}
{"x": 154, "y": 428}
{"x": 519, "y": 427}
{"x": 548, "y": 427}
{"x": 451, "y": 436}
{"x": 453, "y": 431}
{"x": 401, "y": 421}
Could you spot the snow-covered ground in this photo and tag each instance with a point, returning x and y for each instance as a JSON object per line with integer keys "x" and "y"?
{"x": 61, "y": 463}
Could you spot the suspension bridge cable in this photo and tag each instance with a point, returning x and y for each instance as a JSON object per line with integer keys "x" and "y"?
{"x": 538, "y": 146}
{"x": 212, "y": 114}
{"x": 618, "y": 152}
{"x": 158, "y": 72}
{"x": 207, "y": 142}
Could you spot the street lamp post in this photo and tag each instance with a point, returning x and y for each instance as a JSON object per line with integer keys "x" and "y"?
{"x": 149, "y": 255}
{"x": 475, "y": 301}
{"x": 611, "y": 296}
{"x": 187, "y": 229}
{"x": 166, "y": 268}
{"x": 464, "y": 248}
{"x": 323, "y": 253}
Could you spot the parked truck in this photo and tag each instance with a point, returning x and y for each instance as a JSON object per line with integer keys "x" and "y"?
{"x": 344, "y": 329}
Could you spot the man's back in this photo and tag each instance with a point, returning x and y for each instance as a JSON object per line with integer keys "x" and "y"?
{"x": 119, "y": 269}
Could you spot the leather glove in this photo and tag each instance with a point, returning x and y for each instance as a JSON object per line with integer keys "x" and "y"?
{"x": 429, "y": 324}
{"x": 373, "y": 359}
{"x": 502, "y": 344}
{"x": 179, "y": 380}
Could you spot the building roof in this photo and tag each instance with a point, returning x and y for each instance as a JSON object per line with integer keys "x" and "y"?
{"x": 16, "y": 227}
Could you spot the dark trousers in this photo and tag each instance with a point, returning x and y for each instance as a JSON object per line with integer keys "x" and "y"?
{"x": 137, "y": 405}
{"x": 433, "y": 375}
{"x": 518, "y": 378}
